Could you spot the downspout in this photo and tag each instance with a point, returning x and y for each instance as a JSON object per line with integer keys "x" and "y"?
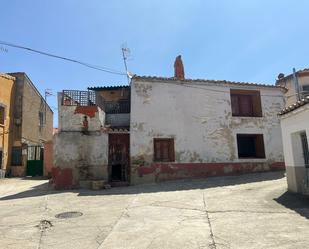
{"x": 3, "y": 131}
{"x": 296, "y": 84}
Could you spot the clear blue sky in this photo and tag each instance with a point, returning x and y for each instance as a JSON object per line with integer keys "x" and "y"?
{"x": 236, "y": 40}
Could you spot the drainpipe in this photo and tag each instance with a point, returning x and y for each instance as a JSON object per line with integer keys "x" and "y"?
{"x": 295, "y": 79}
{"x": 3, "y": 131}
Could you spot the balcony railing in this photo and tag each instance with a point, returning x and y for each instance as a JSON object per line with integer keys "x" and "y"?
{"x": 80, "y": 98}
{"x": 114, "y": 107}
{"x": 91, "y": 98}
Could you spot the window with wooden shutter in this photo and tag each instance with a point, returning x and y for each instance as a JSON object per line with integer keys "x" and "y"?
{"x": 164, "y": 150}
{"x": 246, "y": 103}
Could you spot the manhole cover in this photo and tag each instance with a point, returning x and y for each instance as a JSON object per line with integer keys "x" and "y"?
{"x": 68, "y": 215}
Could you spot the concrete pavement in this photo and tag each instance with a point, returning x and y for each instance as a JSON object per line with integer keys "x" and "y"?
{"x": 249, "y": 211}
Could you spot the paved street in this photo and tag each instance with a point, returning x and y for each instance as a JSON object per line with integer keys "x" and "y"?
{"x": 250, "y": 211}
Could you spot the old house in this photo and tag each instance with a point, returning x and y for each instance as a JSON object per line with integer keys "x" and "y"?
{"x": 297, "y": 85}
{"x": 161, "y": 129}
{"x": 28, "y": 125}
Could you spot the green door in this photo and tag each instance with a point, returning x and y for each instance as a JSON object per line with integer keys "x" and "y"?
{"x": 34, "y": 168}
{"x": 34, "y": 161}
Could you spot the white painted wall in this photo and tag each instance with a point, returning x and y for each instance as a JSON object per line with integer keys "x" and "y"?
{"x": 85, "y": 154}
{"x": 71, "y": 121}
{"x": 198, "y": 116}
{"x": 292, "y": 124}
{"x": 68, "y": 120}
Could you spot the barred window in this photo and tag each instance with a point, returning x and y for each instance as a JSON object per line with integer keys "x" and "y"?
{"x": 16, "y": 156}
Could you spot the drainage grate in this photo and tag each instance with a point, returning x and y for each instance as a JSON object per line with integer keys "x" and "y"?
{"x": 68, "y": 215}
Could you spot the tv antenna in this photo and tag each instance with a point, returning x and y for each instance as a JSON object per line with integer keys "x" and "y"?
{"x": 125, "y": 55}
{"x": 47, "y": 93}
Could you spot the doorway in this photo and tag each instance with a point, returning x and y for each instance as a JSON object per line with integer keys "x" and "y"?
{"x": 34, "y": 161}
{"x": 118, "y": 158}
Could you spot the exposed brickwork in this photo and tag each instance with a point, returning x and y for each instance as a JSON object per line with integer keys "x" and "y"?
{"x": 179, "y": 69}
{"x": 90, "y": 111}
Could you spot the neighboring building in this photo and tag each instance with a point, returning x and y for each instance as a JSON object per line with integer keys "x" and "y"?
{"x": 30, "y": 127}
{"x": 6, "y": 91}
{"x": 161, "y": 129}
{"x": 295, "y": 131}
{"x": 297, "y": 85}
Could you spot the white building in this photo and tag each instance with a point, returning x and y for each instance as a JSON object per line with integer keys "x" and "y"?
{"x": 196, "y": 128}
{"x": 161, "y": 129}
{"x": 295, "y": 130}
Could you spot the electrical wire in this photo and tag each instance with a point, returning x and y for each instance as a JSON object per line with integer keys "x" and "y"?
{"x": 100, "y": 68}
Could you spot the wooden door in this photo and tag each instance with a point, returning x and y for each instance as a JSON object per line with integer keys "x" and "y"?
{"x": 118, "y": 160}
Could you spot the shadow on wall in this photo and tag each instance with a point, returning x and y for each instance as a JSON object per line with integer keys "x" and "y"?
{"x": 180, "y": 185}
{"x": 296, "y": 202}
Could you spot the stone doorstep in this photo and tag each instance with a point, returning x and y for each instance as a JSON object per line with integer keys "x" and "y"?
{"x": 94, "y": 184}
{"x": 97, "y": 184}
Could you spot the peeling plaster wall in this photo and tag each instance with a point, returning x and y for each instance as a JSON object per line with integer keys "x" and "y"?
{"x": 79, "y": 156}
{"x": 85, "y": 155}
{"x": 69, "y": 120}
{"x": 198, "y": 117}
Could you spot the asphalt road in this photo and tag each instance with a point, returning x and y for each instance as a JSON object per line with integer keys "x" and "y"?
{"x": 249, "y": 211}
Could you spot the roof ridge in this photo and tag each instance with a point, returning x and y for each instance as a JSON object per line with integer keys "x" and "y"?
{"x": 7, "y": 76}
{"x": 208, "y": 81}
{"x": 294, "y": 106}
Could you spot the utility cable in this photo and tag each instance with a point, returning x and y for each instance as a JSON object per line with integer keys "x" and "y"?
{"x": 100, "y": 68}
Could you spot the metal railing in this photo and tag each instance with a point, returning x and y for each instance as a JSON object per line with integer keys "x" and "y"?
{"x": 79, "y": 98}
{"x": 113, "y": 107}
{"x": 91, "y": 98}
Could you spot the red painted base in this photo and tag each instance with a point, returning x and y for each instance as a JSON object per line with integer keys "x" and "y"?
{"x": 62, "y": 178}
{"x": 173, "y": 171}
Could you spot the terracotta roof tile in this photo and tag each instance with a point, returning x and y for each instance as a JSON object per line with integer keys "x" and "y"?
{"x": 100, "y": 88}
{"x": 6, "y": 76}
{"x": 295, "y": 106}
{"x": 154, "y": 78}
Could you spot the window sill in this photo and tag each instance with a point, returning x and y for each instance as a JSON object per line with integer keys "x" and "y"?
{"x": 238, "y": 116}
{"x": 164, "y": 161}
{"x": 246, "y": 158}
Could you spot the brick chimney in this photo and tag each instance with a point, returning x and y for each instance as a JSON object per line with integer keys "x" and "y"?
{"x": 179, "y": 70}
